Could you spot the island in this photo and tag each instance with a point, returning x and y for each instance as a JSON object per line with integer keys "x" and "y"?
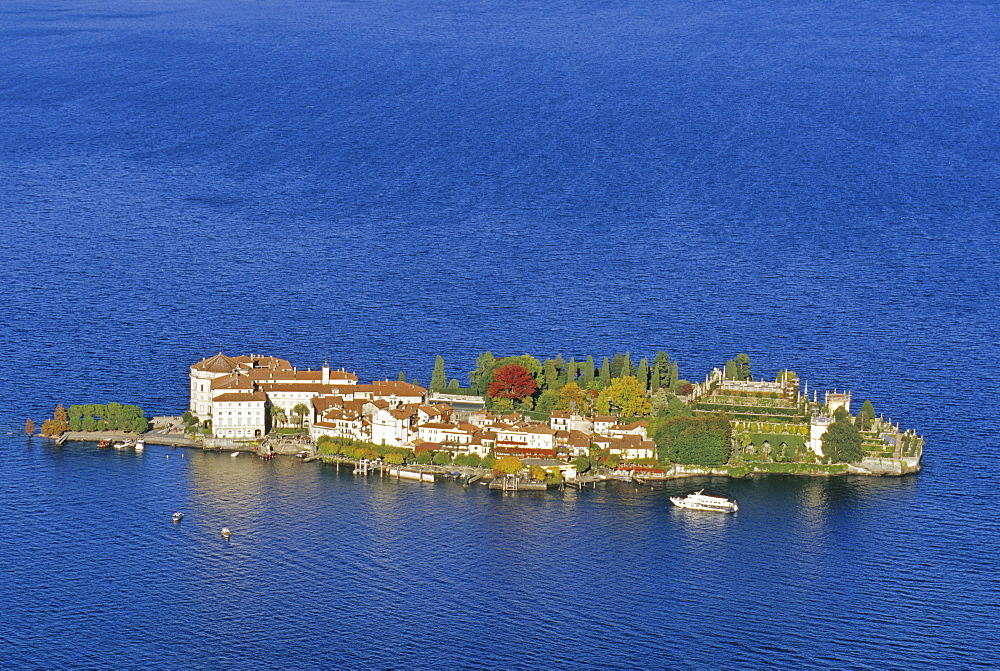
{"x": 527, "y": 422}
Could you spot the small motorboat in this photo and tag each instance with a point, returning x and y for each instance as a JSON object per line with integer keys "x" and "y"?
{"x": 177, "y": 517}
{"x": 120, "y": 445}
{"x": 104, "y": 444}
{"x": 234, "y": 454}
{"x": 140, "y": 445}
{"x": 226, "y": 533}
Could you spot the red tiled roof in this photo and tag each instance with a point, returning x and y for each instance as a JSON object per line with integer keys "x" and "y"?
{"x": 524, "y": 451}
{"x": 220, "y": 363}
{"x": 232, "y": 381}
{"x": 226, "y": 398}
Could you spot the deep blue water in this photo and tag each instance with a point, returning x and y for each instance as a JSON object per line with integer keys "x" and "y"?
{"x": 375, "y": 183}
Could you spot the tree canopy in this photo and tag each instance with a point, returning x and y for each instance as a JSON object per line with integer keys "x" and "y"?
{"x": 842, "y": 440}
{"x": 508, "y": 464}
{"x": 701, "y": 440}
{"x": 572, "y": 397}
{"x": 512, "y": 381}
{"x": 438, "y": 378}
{"x": 629, "y": 396}
{"x": 110, "y": 417}
{"x": 866, "y": 416}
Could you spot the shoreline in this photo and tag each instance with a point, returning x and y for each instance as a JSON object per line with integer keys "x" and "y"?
{"x": 151, "y": 438}
{"x": 865, "y": 468}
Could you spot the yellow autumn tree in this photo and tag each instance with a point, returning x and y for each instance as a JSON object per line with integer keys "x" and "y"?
{"x": 508, "y": 464}
{"x": 628, "y": 396}
{"x": 572, "y": 397}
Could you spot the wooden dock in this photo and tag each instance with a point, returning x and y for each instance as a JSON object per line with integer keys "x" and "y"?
{"x": 512, "y": 483}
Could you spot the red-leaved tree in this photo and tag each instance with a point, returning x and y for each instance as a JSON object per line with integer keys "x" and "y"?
{"x": 512, "y": 381}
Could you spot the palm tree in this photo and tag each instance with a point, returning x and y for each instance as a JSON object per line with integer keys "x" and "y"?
{"x": 277, "y": 415}
{"x": 301, "y": 409}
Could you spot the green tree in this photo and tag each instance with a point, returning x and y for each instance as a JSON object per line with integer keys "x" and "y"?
{"x": 480, "y": 378}
{"x": 731, "y": 372}
{"x": 550, "y": 374}
{"x": 629, "y": 397}
{"x": 628, "y": 370}
{"x": 549, "y": 400}
{"x": 660, "y": 370}
{"x": 453, "y": 385}
{"x": 701, "y": 440}
{"x": 743, "y": 371}
{"x": 425, "y": 457}
{"x": 300, "y": 410}
{"x": 643, "y": 373}
{"x": 471, "y": 459}
{"x": 866, "y": 416}
{"x": 617, "y": 363}
{"x": 533, "y": 365}
{"x": 401, "y": 377}
{"x": 277, "y": 415}
{"x": 570, "y": 371}
{"x": 502, "y": 406}
{"x": 605, "y": 376}
{"x": 581, "y": 464}
{"x": 396, "y": 458}
{"x": 442, "y": 458}
{"x": 602, "y": 405}
{"x": 438, "y": 378}
{"x": 842, "y": 440}
{"x": 588, "y": 371}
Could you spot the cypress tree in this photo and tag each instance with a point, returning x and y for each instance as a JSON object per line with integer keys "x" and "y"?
{"x": 605, "y": 376}
{"x": 866, "y": 416}
{"x": 742, "y": 361}
{"x": 569, "y": 374}
{"x": 661, "y": 369}
{"x": 588, "y": 371}
{"x": 627, "y": 369}
{"x": 654, "y": 378}
{"x": 674, "y": 374}
{"x": 643, "y": 373}
{"x": 438, "y": 378}
{"x": 550, "y": 374}
{"x": 617, "y": 362}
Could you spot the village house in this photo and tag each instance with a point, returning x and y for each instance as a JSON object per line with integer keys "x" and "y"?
{"x": 560, "y": 420}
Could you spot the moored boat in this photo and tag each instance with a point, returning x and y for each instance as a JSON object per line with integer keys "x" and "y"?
{"x": 177, "y": 517}
{"x": 699, "y": 501}
{"x": 226, "y": 533}
{"x": 140, "y": 445}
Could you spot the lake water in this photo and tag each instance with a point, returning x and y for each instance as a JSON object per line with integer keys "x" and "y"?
{"x": 375, "y": 183}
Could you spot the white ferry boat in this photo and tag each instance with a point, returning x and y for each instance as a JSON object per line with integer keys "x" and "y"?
{"x": 699, "y": 501}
